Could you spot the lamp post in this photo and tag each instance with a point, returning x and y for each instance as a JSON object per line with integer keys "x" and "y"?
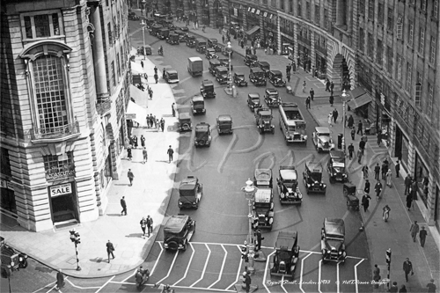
{"x": 143, "y": 24}
{"x": 249, "y": 193}
{"x": 230, "y": 89}
{"x": 344, "y": 117}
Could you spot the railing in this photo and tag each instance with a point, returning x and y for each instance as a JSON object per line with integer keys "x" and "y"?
{"x": 54, "y": 132}
{"x": 304, "y": 40}
{"x": 62, "y": 172}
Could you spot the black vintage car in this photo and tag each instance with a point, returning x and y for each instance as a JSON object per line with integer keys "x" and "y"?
{"x": 213, "y": 43}
{"x": 191, "y": 41}
{"x": 257, "y": 76}
{"x": 276, "y": 78}
{"x": 333, "y": 240}
{"x": 132, "y": 16}
{"x": 239, "y": 79}
{"x": 250, "y": 60}
{"x": 253, "y": 101}
{"x": 210, "y": 53}
{"x": 207, "y": 89}
{"x": 190, "y": 193}
{"x": 272, "y": 97}
{"x": 288, "y": 187}
{"x": 198, "y": 105}
{"x": 200, "y": 45}
{"x": 213, "y": 64}
{"x": 221, "y": 74}
{"x": 184, "y": 122}
{"x": 263, "y": 209}
{"x": 147, "y": 49}
{"x": 184, "y": 28}
{"x": 224, "y": 124}
{"x": 225, "y": 62}
{"x": 312, "y": 176}
{"x": 181, "y": 35}
{"x": 163, "y": 33}
{"x": 154, "y": 30}
{"x": 171, "y": 75}
{"x": 264, "y": 118}
{"x": 336, "y": 167}
{"x": 265, "y": 66}
{"x": 286, "y": 257}
{"x": 173, "y": 39}
{"x": 178, "y": 231}
{"x": 202, "y": 135}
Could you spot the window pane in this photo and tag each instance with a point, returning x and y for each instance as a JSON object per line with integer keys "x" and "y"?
{"x": 28, "y": 27}
{"x": 42, "y": 28}
{"x": 56, "y": 24}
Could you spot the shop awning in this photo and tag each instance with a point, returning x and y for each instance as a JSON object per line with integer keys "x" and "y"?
{"x": 136, "y": 113}
{"x": 359, "y": 101}
{"x": 136, "y": 68}
{"x": 357, "y": 92}
{"x": 253, "y": 30}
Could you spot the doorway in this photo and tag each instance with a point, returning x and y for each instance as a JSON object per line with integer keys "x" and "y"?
{"x": 63, "y": 203}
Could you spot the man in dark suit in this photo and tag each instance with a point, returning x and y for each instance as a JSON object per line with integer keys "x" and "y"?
{"x": 110, "y": 249}
{"x": 124, "y": 206}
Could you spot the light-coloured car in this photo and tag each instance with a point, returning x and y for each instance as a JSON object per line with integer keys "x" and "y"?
{"x": 322, "y": 139}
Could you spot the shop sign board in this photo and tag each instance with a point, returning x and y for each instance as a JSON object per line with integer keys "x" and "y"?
{"x": 60, "y": 190}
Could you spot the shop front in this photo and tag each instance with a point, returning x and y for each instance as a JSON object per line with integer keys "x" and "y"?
{"x": 7, "y": 195}
{"x": 321, "y": 56}
{"x": 437, "y": 207}
{"x": 287, "y": 41}
{"x": 63, "y": 202}
{"x": 236, "y": 17}
{"x": 421, "y": 176}
{"x": 401, "y": 147}
{"x": 359, "y": 102}
{"x": 206, "y": 16}
{"x": 252, "y": 22}
{"x": 383, "y": 115}
{"x": 270, "y": 30}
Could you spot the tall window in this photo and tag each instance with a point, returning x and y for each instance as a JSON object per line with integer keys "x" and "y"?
{"x": 5, "y": 162}
{"x": 408, "y": 77}
{"x": 361, "y": 40}
{"x": 118, "y": 65}
{"x": 308, "y": 11}
{"x": 421, "y": 40}
{"x": 362, "y": 7}
{"x": 113, "y": 73}
{"x": 435, "y": 9}
{"x": 411, "y": 33}
{"x": 430, "y": 102}
{"x": 57, "y": 167}
{"x": 423, "y": 5}
{"x": 390, "y": 19}
{"x": 326, "y": 21}
{"x": 371, "y": 9}
{"x": 399, "y": 63}
{"x": 390, "y": 60}
{"x": 380, "y": 13}
{"x": 379, "y": 53}
{"x": 50, "y": 95}
{"x": 370, "y": 46}
{"x": 290, "y": 6}
{"x": 399, "y": 27}
{"x": 41, "y": 25}
{"x": 110, "y": 36}
{"x": 432, "y": 50}
{"x": 317, "y": 14}
{"x": 299, "y": 9}
{"x": 418, "y": 95}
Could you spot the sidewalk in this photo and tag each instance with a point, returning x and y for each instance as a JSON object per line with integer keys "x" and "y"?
{"x": 145, "y": 197}
{"x": 395, "y": 233}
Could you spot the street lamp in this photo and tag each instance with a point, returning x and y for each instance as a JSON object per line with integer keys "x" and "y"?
{"x": 143, "y": 24}
{"x": 344, "y": 117}
{"x": 76, "y": 239}
{"x": 249, "y": 193}
{"x": 230, "y": 89}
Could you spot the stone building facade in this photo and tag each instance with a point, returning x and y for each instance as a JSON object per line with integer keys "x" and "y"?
{"x": 384, "y": 52}
{"x": 64, "y": 89}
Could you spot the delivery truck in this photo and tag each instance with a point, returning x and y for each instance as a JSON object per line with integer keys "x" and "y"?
{"x": 195, "y": 66}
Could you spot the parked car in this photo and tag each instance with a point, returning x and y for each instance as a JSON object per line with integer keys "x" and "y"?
{"x": 191, "y": 41}
{"x": 224, "y": 124}
{"x": 239, "y": 79}
{"x": 257, "y": 76}
{"x": 264, "y": 120}
{"x": 286, "y": 257}
{"x": 288, "y": 188}
{"x": 200, "y": 45}
{"x": 190, "y": 193}
{"x": 198, "y": 105}
{"x": 336, "y": 167}
{"x": 173, "y": 39}
{"x": 322, "y": 139}
{"x": 154, "y": 30}
{"x": 312, "y": 176}
{"x": 163, "y": 33}
{"x": 225, "y": 62}
{"x": 272, "y": 97}
{"x": 213, "y": 64}
{"x": 207, "y": 89}
{"x": 184, "y": 122}
{"x": 250, "y": 60}
{"x": 178, "y": 231}
{"x": 221, "y": 74}
{"x": 210, "y": 53}
{"x": 265, "y": 66}
{"x": 203, "y": 135}
{"x": 253, "y": 101}
{"x": 147, "y": 49}
{"x": 333, "y": 240}
{"x": 213, "y": 43}
{"x": 171, "y": 76}
{"x": 263, "y": 209}
{"x": 276, "y": 78}
{"x": 184, "y": 28}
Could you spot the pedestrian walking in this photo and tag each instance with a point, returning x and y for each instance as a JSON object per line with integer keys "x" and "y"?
{"x": 359, "y": 131}
{"x": 359, "y": 156}
{"x": 156, "y": 77}
{"x": 288, "y": 77}
{"x": 308, "y": 103}
{"x": 407, "y": 182}
{"x": 386, "y": 213}
{"x": 388, "y": 176}
{"x": 135, "y": 141}
{"x": 129, "y": 154}
{"x": 149, "y": 225}
{"x": 335, "y": 115}
{"x": 293, "y": 67}
{"x": 223, "y": 39}
{"x": 173, "y": 109}
{"x": 150, "y": 91}
{"x": 407, "y": 268}
{"x": 162, "y": 124}
{"x": 350, "y": 151}
{"x": 331, "y": 99}
{"x": 376, "y": 275}
{"x": 366, "y": 201}
{"x": 142, "y": 140}
{"x": 312, "y": 94}
{"x": 397, "y": 168}
{"x": 124, "y": 206}
{"x": 367, "y": 186}
{"x": 350, "y": 121}
{"x": 402, "y": 289}
{"x": 60, "y": 280}
{"x": 155, "y": 69}
{"x": 409, "y": 200}
{"x": 422, "y": 234}
{"x": 376, "y": 171}
{"x": 130, "y": 176}
{"x": 384, "y": 169}
{"x": 414, "y": 230}
{"x": 258, "y": 238}
{"x": 379, "y": 139}
{"x": 362, "y": 146}
{"x": 304, "y": 86}
{"x": 431, "y": 286}
{"x": 110, "y": 249}
{"x": 378, "y": 189}
{"x": 330, "y": 120}
{"x": 327, "y": 86}
{"x": 142, "y": 64}
{"x": 144, "y": 156}
{"x": 365, "y": 171}
{"x": 170, "y": 153}
{"x": 332, "y": 86}
{"x": 353, "y": 134}
{"x": 143, "y": 224}
{"x": 394, "y": 288}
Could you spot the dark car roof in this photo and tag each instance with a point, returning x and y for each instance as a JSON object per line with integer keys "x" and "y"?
{"x": 197, "y": 98}
{"x": 221, "y": 68}
{"x": 210, "y": 50}
{"x": 286, "y": 240}
{"x": 264, "y": 63}
{"x": 202, "y": 126}
{"x": 256, "y": 69}
{"x": 276, "y": 72}
{"x": 176, "y": 224}
{"x": 337, "y": 154}
{"x": 189, "y": 183}
{"x": 271, "y": 91}
{"x": 254, "y": 95}
{"x": 214, "y": 61}
{"x": 164, "y": 29}
{"x": 314, "y": 166}
{"x": 252, "y": 56}
{"x": 334, "y": 227}
{"x": 207, "y": 82}
{"x": 288, "y": 173}
{"x": 224, "y": 118}
{"x": 239, "y": 73}
{"x": 213, "y": 39}
{"x": 200, "y": 40}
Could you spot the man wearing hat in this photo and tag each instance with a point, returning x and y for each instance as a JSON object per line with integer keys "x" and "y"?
{"x": 259, "y": 238}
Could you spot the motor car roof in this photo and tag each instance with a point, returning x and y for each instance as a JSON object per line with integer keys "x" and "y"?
{"x": 175, "y": 224}
{"x": 202, "y": 126}
{"x": 313, "y": 166}
{"x": 171, "y": 71}
{"x": 337, "y": 154}
{"x": 286, "y": 240}
{"x": 184, "y": 116}
{"x": 224, "y": 118}
{"x": 322, "y": 130}
{"x": 265, "y": 113}
{"x": 276, "y": 72}
{"x": 158, "y": 26}
{"x": 256, "y": 69}
{"x": 214, "y": 61}
{"x": 221, "y": 68}
{"x": 214, "y": 40}
{"x": 334, "y": 227}
{"x": 252, "y": 56}
{"x": 207, "y": 82}
{"x": 239, "y": 73}
{"x": 271, "y": 91}
{"x": 264, "y": 63}
{"x": 164, "y": 29}
{"x": 200, "y": 40}
{"x": 262, "y": 175}
{"x": 288, "y": 173}
{"x": 210, "y": 50}
{"x": 263, "y": 195}
{"x": 254, "y": 95}
{"x": 197, "y": 98}
{"x": 189, "y": 183}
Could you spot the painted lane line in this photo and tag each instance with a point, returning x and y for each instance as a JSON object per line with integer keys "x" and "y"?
{"x": 302, "y": 272}
{"x": 356, "y": 275}
{"x": 155, "y": 263}
{"x": 45, "y": 286}
{"x": 265, "y": 271}
{"x": 204, "y": 289}
{"x": 282, "y": 284}
{"x": 355, "y": 257}
{"x": 53, "y": 288}
{"x": 221, "y": 270}
{"x": 187, "y": 267}
{"x": 238, "y": 272}
{"x": 171, "y": 268}
{"x": 319, "y": 275}
{"x": 105, "y": 284}
{"x": 337, "y": 277}
{"x": 204, "y": 267}
{"x": 79, "y": 287}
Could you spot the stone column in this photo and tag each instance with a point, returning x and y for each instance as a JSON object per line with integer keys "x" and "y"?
{"x": 98, "y": 56}
{"x": 312, "y": 51}
{"x": 295, "y": 44}
{"x": 173, "y": 7}
{"x": 186, "y": 7}
{"x": 199, "y": 8}
{"x": 279, "y": 33}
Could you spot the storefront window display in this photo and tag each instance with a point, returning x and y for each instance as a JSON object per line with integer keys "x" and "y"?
{"x": 421, "y": 175}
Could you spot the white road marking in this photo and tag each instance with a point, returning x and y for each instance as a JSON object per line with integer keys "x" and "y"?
{"x": 105, "y": 284}
{"x": 337, "y": 277}
{"x": 302, "y": 271}
{"x": 53, "y": 287}
{"x": 265, "y": 271}
{"x": 204, "y": 267}
{"x": 95, "y": 287}
{"x": 205, "y": 289}
{"x": 282, "y": 284}
{"x": 356, "y": 274}
{"x": 160, "y": 254}
{"x": 189, "y": 264}
{"x": 171, "y": 267}
{"x": 221, "y": 270}
{"x": 319, "y": 275}
{"x": 238, "y": 272}
{"x": 45, "y": 286}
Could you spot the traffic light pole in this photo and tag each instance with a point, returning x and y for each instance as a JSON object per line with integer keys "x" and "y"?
{"x": 78, "y": 268}
{"x": 388, "y": 260}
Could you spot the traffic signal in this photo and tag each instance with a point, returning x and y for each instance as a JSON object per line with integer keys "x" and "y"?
{"x": 245, "y": 252}
{"x": 388, "y": 256}
{"x": 72, "y": 235}
{"x": 77, "y": 238}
